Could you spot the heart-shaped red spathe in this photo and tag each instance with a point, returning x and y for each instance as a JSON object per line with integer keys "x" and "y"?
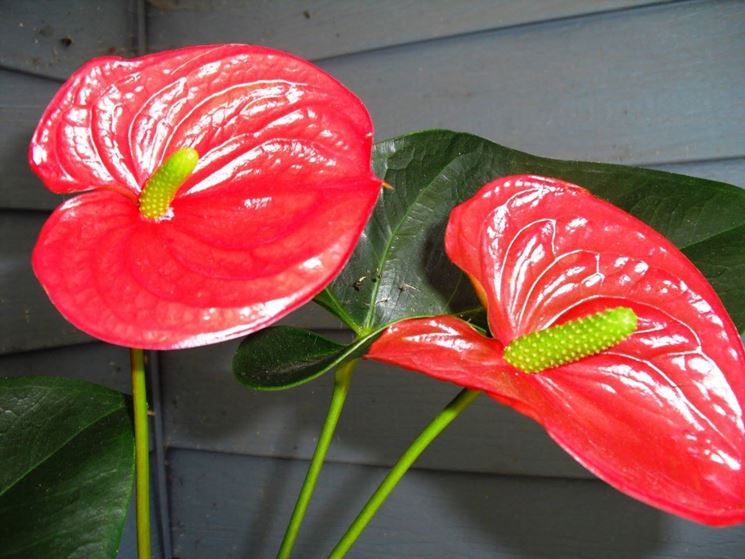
{"x": 660, "y": 415}
{"x": 280, "y": 194}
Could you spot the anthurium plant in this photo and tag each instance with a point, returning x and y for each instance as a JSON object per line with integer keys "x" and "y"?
{"x": 218, "y": 188}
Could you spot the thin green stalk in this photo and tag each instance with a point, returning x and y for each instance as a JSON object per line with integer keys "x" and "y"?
{"x": 342, "y": 380}
{"x": 438, "y": 424}
{"x": 142, "y": 457}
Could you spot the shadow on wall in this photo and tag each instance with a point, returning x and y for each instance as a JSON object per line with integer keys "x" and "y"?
{"x": 237, "y": 507}
{"x": 235, "y": 499}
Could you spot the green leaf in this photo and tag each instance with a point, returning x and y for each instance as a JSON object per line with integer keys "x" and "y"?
{"x": 722, "y": 260}
{"x": 399, "y": 268}
{"x": 282, "y": 357}
{"x": 66, "y": 468}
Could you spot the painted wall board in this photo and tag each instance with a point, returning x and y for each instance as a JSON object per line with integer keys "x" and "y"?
{"x": 29, "y": 319}
{"x": 548, "y": 89}
{"x": 22, "y": 100}
{"x": 660, "y": 84}
{"x": 235, "y": 507}
{"x": 386, "y": 409}
{"x": 731, "y": 171}
{"x": 103, "y": 364}
{"x": 327, "y": 28}
{"x": 52, "y": 38}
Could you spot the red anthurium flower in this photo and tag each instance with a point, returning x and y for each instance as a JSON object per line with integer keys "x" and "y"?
{"x": 228, "y": 184}
{"x": 658, "y": 415}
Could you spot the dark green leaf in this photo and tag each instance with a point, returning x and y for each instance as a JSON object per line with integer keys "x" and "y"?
{"x": 722, "y": 260}
{"x": 282, "y": 357}
{"x": 66, "y": 468}
{"x": 399, "y": 269}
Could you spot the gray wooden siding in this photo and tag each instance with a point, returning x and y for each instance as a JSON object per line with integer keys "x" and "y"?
{"x": 618, "y": 87}
{"x": 327, "y": 28}
{"x": 385, "y": 411}
{"x": 431, "y": 514}
{"x": 653, "y": 83}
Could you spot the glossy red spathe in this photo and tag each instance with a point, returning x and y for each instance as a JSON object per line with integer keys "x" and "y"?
{"x": 660, "y": 415}
{"x": 280, "y": 193}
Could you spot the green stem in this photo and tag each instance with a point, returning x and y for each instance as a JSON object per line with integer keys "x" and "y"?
{"x": 438, "y": 424}
{"x": 341, "y": 388}
{"x": 142, "y": 453}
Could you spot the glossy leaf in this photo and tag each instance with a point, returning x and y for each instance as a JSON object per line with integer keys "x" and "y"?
{"x": 658, "y": 415}
{"x": 271, "y": 212}
{"x": 722, "y": 260}
{"x": 66, "y": 468}
{"x": 399, "y": 268}
{"x": 282, "y": 357}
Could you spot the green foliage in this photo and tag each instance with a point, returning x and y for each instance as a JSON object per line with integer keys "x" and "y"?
{"x": 66, "y": 468}
{"x": 399, "y": 268}
{"x": 281, "y": 357}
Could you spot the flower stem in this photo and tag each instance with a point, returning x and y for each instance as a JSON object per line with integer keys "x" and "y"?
{"x": 142, "y": 453}
{"x": 341, "y": 388}
{"x": 438, "y": 424}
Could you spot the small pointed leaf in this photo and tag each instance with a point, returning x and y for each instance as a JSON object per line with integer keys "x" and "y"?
{"x": 281, "y": 357}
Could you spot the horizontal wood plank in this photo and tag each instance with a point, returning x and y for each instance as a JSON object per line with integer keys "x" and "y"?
{"x": 386, "y": 409}
{"x": 53, "y": 39}
{"x": 330, "y": 28}
{"x": 639, "y": 86}
{"x": 731, "y": 171}
{"x": 236, "y": 507}
{"x": 29, "y": 319}
{"x": 22, "y": 101}
{"x": 103, "y": 364}
{"x": 547, "y": 89}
